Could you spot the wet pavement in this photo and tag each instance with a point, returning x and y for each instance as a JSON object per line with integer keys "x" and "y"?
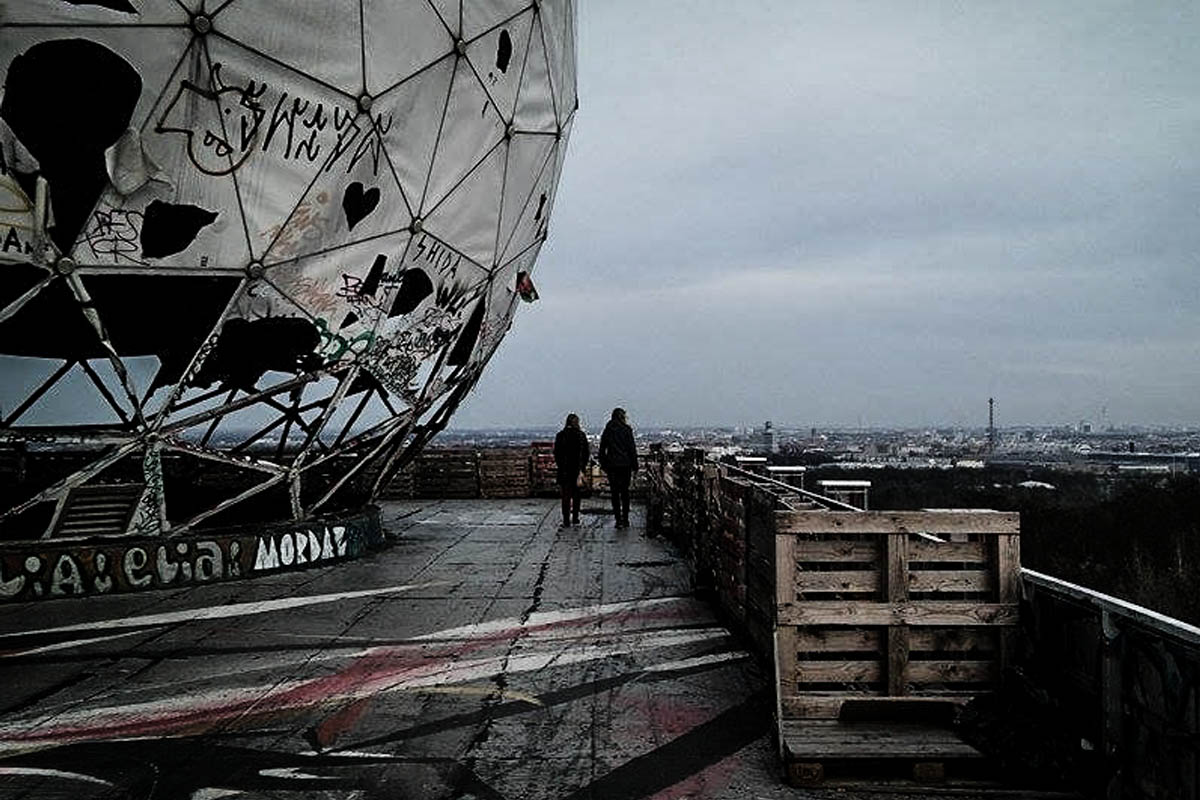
{"x": 487, "y": 654}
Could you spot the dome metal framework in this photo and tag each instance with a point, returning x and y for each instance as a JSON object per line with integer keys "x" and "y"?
{"x": 254, "y": 254}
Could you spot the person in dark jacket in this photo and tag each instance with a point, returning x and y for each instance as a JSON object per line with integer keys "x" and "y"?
{"x": 571, "y": 454}
{"x": 618, "y": 459}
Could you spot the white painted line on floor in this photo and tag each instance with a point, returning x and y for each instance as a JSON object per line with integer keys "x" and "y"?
{"x": 547, "y": 618}
{"x": 294, "y": 773}
{"x": 54, "y": 773}
{"x": 699, "y": 661}
{"x": 214, "y": 793}
{"x": 69, "y": 645}
{"x": 352, "y": 754}
{"x": 223, "y": 611}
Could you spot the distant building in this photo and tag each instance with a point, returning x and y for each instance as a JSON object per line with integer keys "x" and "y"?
{"x": 764, "y": 440}
{"x": 851, "y": 492}
{"x": 793, "y": 476}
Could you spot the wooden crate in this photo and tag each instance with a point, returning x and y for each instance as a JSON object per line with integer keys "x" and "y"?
{"x": 400, "y": 487}
{"x": 447, "y": 472}
{"x": 543, "y": 475}
{"x": 504, "y": 472}
{"x": 879, "y": 605}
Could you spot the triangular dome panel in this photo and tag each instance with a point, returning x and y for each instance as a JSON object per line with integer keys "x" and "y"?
{"x": 503, "y": 303}
{"x": 534, "y": 218}
{"x": 469, "y": 215}
{"x": 527, "y": 159}
{"x": 387, "y": 64}
{"x": 471, "y": 129}
{"x": 68, "y": 119}
{"x": 558, "y": 26}
{"x": 499, "y": 58}
{"x": 451, "y": 14}
{"x": 437, "y": 288}
{"x": 57, "y": 12}
{"x": 346, "y": 291}
{"x": 320, "y": 42}
{"x": 342, "y": 206}
{"x": 535, "y": 101}
{"x": 411, "y": 116}
{"x": 482, "y": 17}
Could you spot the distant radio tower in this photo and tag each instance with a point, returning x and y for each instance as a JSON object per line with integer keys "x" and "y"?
{"x": 991, "y": 425}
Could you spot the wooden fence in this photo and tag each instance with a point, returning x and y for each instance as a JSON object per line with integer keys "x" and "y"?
{"x": 464, "y": 472}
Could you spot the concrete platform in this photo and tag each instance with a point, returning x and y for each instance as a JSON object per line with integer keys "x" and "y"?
{"x": 489, "y": 654}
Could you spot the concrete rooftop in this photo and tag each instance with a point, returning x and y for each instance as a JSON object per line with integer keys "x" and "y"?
{"x": 488, "y": 654}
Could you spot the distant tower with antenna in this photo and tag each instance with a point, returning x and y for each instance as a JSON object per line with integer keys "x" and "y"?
{"x": 991, "y": 425}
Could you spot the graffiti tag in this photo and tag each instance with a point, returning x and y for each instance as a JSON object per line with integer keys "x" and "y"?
{"x": 225, "y": 125}
{"x": 300, "y": 547}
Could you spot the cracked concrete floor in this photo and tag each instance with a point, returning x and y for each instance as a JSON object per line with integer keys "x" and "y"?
{"x": 487, "y": 654}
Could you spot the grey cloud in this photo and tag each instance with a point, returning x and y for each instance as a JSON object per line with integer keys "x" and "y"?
{"x": 834, "y": 211}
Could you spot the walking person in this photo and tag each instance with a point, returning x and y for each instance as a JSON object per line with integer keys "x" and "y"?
{"x": 618, "y": 459}
{"x": 571, "y": 454}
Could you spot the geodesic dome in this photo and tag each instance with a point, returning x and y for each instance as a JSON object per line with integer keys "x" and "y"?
{"x": 272, "y": 240}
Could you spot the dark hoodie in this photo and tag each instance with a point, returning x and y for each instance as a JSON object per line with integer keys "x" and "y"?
{"x": 571, "y": 453}
{"x": 617, "y": 449}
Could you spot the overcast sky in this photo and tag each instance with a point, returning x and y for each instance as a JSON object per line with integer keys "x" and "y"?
{"x": 838, "y": 213}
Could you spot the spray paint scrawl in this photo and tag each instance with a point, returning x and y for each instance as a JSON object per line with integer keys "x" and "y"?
{"x": 299, "y": 547}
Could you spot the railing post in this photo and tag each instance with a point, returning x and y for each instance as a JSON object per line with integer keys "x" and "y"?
{"x": 1111, "y": 689}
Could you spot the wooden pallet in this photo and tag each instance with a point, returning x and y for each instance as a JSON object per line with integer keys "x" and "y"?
{"x": 400, "y": 487}
{"x": 447, "y": 472}
{"x": 820, "y": 751}
{"x": 543, "y": 474}
{"x": 892, "y": 604}
{"x": 504, "y": 472}
{"x": 885, "y": 622}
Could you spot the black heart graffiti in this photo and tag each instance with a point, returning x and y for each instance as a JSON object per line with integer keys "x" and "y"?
{"x": 358, "y": 203}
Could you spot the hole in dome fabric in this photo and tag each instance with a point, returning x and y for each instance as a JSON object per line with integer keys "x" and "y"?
{"x": 68, "y": 101}
{"x": 467, "y": 339}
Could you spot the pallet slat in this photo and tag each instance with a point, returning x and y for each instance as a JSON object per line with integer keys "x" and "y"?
{"x": 921, "y": 640}
{"x": 835, "y": 640}
{"x": 858, "y": 613}
{"x": 838, "y": 672}
{"x": 921, "y": 549}
{"x": 837, "y": 581}
{"x": 836, "y": 550}
{"x": 880, "y": 522}
{"x": 965, "y": 580}
{"x": 843, "y": 740}
{"x": 817, "y": 705}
